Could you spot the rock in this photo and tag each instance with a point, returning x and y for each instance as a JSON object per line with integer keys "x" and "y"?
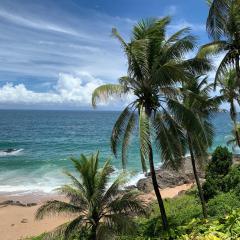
{"x": 17, "y": 203}
{"x": 130, "y": 187}
{"x": 24, "y": 220}
{"x": 31, "y": 204}
{"x": 167, "y": 177}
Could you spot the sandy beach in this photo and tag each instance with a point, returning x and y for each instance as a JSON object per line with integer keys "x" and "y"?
{"x": 18, "y": 222}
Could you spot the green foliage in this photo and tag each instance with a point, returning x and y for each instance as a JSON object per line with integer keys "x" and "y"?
{"x": 220, "y": 163}
{"x": 98, "y": 207}
{"x": 216, "y": 172}
{"x": 211, "y": 187}
{"x": 178, "y": 214}
{"x": 232, "y": 179}
{"x": 158, "y": 62}
{"x": 223, "y": 228}
{"x": 223, "y": 204}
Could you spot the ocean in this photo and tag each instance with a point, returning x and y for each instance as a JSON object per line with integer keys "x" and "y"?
{"x": 44, "y": 141}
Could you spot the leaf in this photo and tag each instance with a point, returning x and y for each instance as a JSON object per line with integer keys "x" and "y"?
{"x": 126, "y": 138}
{"x": 119, "y": 128}
{"x": 144, "y": 137}
{"x": 103, "y": 92}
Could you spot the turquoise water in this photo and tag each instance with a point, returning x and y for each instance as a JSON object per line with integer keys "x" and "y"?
{"x": 46, "y": 139}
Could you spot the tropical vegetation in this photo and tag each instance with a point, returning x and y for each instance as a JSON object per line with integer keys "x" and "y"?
{"x": 171, "y": 113}
{"x": 156, "y": 66}
{"x": 98, "y": 208}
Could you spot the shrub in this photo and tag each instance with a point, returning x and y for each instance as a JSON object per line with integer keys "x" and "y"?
{"x": 220, "y": 163}
{"x": 224, "y": 228}
{"x": 216, "y": 171}
{"x": 177, "y": 212}
{"x": 223, "y": 204}
{"x": 210, "y": 188}
{"x": 232, "y": 179}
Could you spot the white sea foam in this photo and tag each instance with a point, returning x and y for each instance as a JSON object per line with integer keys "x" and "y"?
{"x": 135, "y": 178}
{"x": 17, "y": 152}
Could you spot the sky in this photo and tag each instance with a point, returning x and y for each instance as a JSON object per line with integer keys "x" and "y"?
{"x": 54, "y": 53}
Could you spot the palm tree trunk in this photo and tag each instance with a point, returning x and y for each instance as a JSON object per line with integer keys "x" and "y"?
{"x": 234, "y": 119}
{"x": 237, "y": 70}
{"x": 93, "y": 234}
{"x": 237, "y": 134}
{"x": 155, "y": 183}
{"x": 157, "y": 191}
{"x": 200, "y": 191}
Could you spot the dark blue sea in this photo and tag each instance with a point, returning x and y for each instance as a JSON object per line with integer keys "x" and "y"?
{"x": 45, "y": 140}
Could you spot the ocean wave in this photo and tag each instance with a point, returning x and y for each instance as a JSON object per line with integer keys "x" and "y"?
{"x": 22, "y": 190}
{"x": 15, "y": 152}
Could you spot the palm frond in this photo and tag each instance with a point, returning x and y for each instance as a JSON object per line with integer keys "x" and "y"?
{"x": 216, "y": 21}
{"x": 211, "y": 49}
{"x": 144, "y": 137}
{"x": 118, "y": 129}
{"x": 56, "y": 207}
{"x": 169, "y": 139}
{"x": 126, "y": 138}
{"x": 179, "y": 48}
{"x": 226, "y": 64}
{"x": 120, "y": 223}
{"x": 103, "y": 92}
{"x": 75, "y": 196}
{"x": 129, "y": 202}
{"x": 177, "y": 35}
{"x": 113, "y": 189}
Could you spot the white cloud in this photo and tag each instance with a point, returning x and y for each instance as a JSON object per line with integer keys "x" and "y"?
{"x": 68, "y": 90}
{"x": 33, "y": 23}
{"x": 183, "y": 24}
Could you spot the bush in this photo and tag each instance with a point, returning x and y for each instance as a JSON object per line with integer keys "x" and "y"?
{"x": 216, "y": 171}
{"x": 223, "y": 204}
{"x": 232, "y": 179}
{"x": 177, "y": 212}
{"x": 210, "y": 188}
{"x": 223, "y": 228}
{"x": 220, "y": 163}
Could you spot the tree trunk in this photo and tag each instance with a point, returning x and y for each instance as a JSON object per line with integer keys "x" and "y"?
{"x": 237, "y": 134}
{"x": 234, "y": 119}
{"x": 237, "y": 70}
{"x": 200, "y": 191}
{"x": 93, "y": 234}
{"x": 155, "y": 183}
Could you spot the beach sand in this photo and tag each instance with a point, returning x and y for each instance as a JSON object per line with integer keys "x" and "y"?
{"x": 18, "y": 222}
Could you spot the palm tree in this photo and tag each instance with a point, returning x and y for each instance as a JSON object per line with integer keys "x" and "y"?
{"x": 228, "y": 90}
{"x": 97, "y": 206}
{"x": 156, "y": 66}
{"x": 223, "y": 26}
{"x": 196, "y": 97}
{"x": 233, "y": 140}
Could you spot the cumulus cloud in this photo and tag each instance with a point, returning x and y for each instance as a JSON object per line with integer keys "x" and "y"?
{"x": 68, "y": 89}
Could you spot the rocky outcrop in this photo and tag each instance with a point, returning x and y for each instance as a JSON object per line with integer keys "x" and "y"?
{"x": 168, "y": 177}
{"x": 17, "y": 203}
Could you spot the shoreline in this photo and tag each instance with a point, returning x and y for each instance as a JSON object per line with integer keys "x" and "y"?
{"x": 19, "y": 221}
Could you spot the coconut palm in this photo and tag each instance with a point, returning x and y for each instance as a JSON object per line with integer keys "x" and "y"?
{"x": 223, "y": 26}
{"x": 156, "y": 65}
{"x": 228, "y": 89}
{"x": 232, "y": 140}
{"x": 97, "y": 207}
{"x": 196, "y": 97}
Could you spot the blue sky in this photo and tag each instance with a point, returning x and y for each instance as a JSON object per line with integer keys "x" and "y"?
{"x": 53, "y": 53}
